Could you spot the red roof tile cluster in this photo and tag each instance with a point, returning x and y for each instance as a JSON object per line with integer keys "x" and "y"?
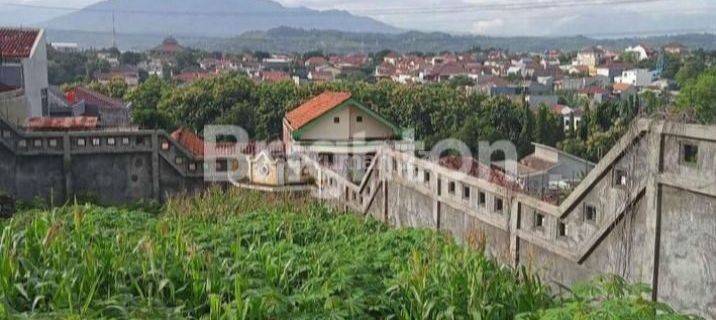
{"x": 17, "y": 43}
{"x": 274, "y": 76}
{"x": 195, "y": 145}
{"x": 93, "y": 98}
{"x": 315, "y": 108}
{"x": 62, "y": 124}
{"x": 481, "y": 171}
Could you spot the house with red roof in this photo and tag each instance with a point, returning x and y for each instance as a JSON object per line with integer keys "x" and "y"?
{"x": 23, "y": 74}
{"x": 111, "y": 113}
{"x": 333, "y": 123}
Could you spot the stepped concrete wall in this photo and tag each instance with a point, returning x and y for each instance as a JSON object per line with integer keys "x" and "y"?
{"x": 110, "y": 167}
{"x": 653, "y": 197}
{"x": 651, "y": 204}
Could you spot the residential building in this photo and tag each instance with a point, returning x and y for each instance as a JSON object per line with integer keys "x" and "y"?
{"x": 127, "y": 74}
{"x": 676, "y": 48}
{"x": 333, "y": 126}
{"x": 23, "y": 74}
{"x": 66, "y": 47}
{"x": 547, "y": 168}
{"x": 589, "y": 56}
{"x": 636, "y": 77}
{"x": 642, "y": 52}
{"x": 110, "y": 113}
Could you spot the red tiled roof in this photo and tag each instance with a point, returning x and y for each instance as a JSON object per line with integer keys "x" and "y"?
{"x": 61, "y": 124}
{"x": 481, "y": 171}
{"x": 195, "y": 145}
{"x": 274, "y": 76}
{"x": 593, "y": 90}
{"x": 621, "y": 87}
{"x": 315, "y": 108}
{"x": 189, "y": 140}
{"x": 17, "y": 43}
{"x": 537, "y": 163}
{"x": 93, "y": 98}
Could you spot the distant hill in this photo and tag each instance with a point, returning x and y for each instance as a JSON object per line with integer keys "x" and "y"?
{"x": 285, "y": 39}
{"x": 294, "y": 40}
{"x": 207, "y": 18}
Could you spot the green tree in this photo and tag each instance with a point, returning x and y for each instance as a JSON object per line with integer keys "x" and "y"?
{"x": 699, "y": 95}
{"x": 145, "y": 100}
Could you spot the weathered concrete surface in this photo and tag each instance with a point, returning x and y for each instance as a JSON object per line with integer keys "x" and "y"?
{"x": 655, "y": 220}
{"x": 687, "y": 263}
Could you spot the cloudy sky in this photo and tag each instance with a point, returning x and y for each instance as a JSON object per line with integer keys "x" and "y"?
{"x": 601, "y": 18}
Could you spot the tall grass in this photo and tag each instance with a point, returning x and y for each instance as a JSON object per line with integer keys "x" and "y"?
{"x": 242, "y": 255}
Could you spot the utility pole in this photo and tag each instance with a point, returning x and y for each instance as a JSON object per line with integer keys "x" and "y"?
{"x": 114, "y": 31}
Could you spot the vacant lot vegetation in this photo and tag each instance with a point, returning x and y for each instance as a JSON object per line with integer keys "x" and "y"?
{"x": 248, "y": 256}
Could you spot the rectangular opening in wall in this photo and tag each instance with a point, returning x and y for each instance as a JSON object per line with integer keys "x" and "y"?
{"x": 466, "y": 192}
{"x": 590, "y": 213}
{"x": 538, "y": 220}
{"x": 336, "y": 120}
{"x": 620, "y": 178}
{"x": 451, "y": 187}
{"x": 359, "y": 119}
{"x": 561, "y": 229}
{"x": 499, "y": 205}
{"x": 689, "y": 154}
{"x": 481, "y": 199}
{"x": 426, "y": 176}
{"x": 111, "y": 141}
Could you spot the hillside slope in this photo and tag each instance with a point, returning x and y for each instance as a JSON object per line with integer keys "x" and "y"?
{"x": 216, "y": 18}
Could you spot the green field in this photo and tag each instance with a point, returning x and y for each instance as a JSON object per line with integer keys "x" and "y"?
{"x": 250, "y": 256}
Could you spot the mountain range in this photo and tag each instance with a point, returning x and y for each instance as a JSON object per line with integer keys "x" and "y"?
{"x": 206, "y": 18}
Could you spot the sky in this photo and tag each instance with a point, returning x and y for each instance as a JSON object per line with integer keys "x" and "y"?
{"x": 599, "y": 18}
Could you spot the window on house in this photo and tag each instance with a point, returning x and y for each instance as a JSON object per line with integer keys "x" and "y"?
{"x": 689, "y": 154}
{"x": 426, "y": 176}
{"x": 22, "y": 144}
{"x": 192, "y": 167}
{"x": 538, "y": 220}
{"x": 359, "y": 119}
{"x": 590, "y": 213}
{"x": 466, "y": 192}
{"x": 336, "y": 120}
{"x": 53, "y": 143}
{"x": 125, "y": 141}
{"x": 451, "y": 187}
{"x": 81, "y": 142}
{"x": 140, "y": 141}
{"x": 620, "y": 177}
{"x": 179, "y": 160}
{"x": 499, "y": 205}
{"x": 6, "y": 134}
{"x": 481, "y": 199}
{"x": 111, "y": 141}
{"x": 95, "y": 142}
{"x": 37, "y": 143}
{"x": 561, "y": 229}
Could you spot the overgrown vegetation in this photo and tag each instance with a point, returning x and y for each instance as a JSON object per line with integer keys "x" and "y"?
{"x": 240, "y": 255}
